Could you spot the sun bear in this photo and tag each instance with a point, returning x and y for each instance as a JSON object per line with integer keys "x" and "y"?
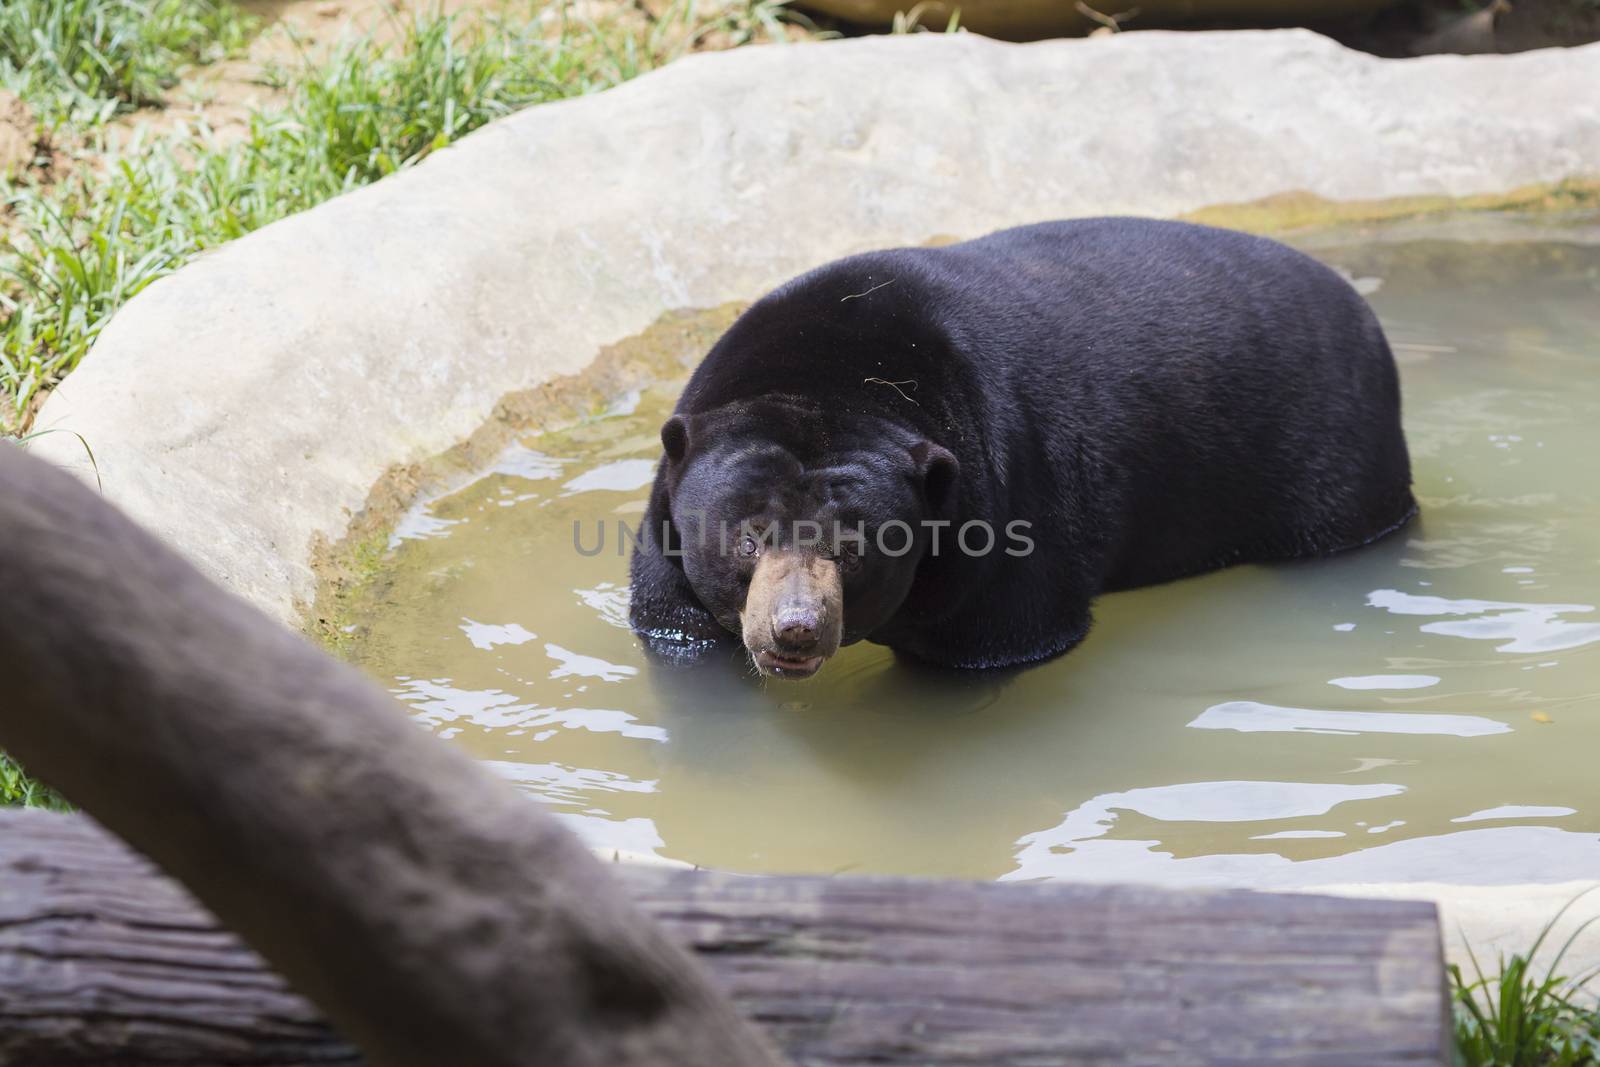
{"x": 952, "y": 451}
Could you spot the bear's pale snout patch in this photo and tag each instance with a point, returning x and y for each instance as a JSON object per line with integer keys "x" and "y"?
{"x": 793, "y": 616}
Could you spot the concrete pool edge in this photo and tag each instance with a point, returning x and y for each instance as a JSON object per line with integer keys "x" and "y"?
{"x": 245, "y": 407}
{"x": 1488, "y": 922}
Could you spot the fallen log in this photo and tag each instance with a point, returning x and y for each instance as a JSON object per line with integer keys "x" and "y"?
{"x": 103, "y": 960}
{"x": 428, "y": 909}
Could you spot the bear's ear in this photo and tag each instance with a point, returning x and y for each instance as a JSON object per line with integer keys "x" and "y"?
{"x": 675, "y": 437}
{"x": 937, "y": 468}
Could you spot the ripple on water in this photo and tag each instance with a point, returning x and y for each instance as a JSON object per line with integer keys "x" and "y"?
{"x": 1248, "y": 716}
{"x": 1523, "y": 627}
{"x": 1386, "y": 681}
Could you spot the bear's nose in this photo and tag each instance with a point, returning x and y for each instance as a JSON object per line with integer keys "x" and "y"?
{"x": 796, "y": 626}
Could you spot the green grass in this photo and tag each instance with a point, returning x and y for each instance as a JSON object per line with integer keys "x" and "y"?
{"x": 1526, "y": 1015}
{"x": 18, "y": 790}
{"x": 96, "y": 57}
{"x": 91, "y": 242}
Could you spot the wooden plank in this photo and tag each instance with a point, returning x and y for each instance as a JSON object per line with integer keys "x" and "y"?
{"x": 101, "y": 956}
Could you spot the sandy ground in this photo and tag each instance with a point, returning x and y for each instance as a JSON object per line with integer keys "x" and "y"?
{"x": 16, "y": 134}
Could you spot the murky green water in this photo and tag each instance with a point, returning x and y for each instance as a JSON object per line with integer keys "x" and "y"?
{"x": 1426, "y": 709}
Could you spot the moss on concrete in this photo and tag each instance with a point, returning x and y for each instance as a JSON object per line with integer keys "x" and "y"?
{"x": 1299, "y": 212}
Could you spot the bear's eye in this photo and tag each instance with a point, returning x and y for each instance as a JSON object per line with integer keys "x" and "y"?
{"x": 748, "y": 546}
{"x": 848, "y": 555}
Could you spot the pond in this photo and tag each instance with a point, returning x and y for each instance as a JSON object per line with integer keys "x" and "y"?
{"x": 1424, "y": 709}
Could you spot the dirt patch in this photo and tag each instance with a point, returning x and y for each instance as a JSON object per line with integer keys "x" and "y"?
{"x": 18, "y": 136}
{"x": 28, "y": 153}
{"x": 222, "y": 96}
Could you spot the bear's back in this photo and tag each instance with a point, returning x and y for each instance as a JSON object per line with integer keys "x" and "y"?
{"x": 1186, "y": 396}
{"x": 1231, "y": 397}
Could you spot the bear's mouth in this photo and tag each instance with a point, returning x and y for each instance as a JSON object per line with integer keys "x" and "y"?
{"x": 785, "y": 666}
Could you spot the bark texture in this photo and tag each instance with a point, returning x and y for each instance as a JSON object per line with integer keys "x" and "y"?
{"x": 104, "y": 960}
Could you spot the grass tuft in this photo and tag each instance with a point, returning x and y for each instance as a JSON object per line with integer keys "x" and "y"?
{"x": 18, "y": 790}
{"x": 1526, "y": 1016}
{"x": 98, "y": 57}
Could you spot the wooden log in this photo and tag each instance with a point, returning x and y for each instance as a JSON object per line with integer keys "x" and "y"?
{"x": 427, "y": 908}
{"x": 103, "y": 960}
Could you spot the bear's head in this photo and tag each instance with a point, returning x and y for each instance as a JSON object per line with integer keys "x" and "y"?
{"x": 796, "y": 535}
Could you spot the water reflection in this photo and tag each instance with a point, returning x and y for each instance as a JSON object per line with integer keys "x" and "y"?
{"x": 1500, "y": 856}
{"x": 566, "y": 785}
{"x": 622, "y": 476}
{"x": 1247, "y": 716}
{"x": 436, "y": 703}
{"x": 1386, "y": 681}
{"x": 487, "y": 635}
{"x": 1524, "y": 627}
{"x": 519, "y": 461}
{"x": 1517, "y": 811}
{"x": 577, "y": 665}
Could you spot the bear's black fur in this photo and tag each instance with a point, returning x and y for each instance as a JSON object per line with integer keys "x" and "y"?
{"x": 1156, "y": 399}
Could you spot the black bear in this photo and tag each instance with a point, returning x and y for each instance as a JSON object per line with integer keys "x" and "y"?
{"x": 951, "y": 451}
